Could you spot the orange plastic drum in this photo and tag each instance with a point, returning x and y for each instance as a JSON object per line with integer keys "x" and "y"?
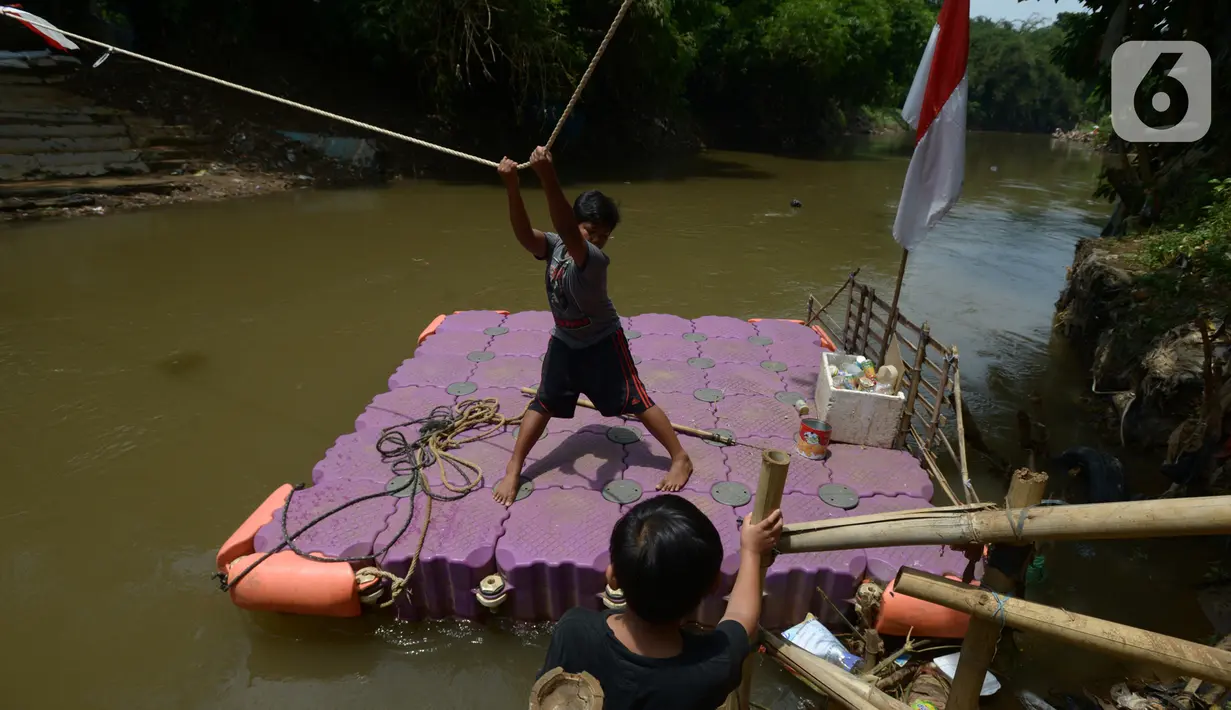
{"x": 292, "y": 584}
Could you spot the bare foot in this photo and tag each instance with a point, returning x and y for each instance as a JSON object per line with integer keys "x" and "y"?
{"x": 506, "y": 490}
{"x": 681, "y": 469}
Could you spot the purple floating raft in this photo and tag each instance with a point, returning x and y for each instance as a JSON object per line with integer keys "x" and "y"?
{"x": 550, "y": 547}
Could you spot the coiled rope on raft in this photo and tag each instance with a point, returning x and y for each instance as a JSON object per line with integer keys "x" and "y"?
{"x": 443, "y": 430}
{"x": 568, "y": 109}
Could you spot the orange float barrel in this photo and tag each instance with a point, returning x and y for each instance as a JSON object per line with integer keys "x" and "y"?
{"x": 240, "y": 542}
{"x": 825, "y": 341}
{"x": 290, "y": 584}
{"x": 901, "y": 615}
{"x": 430, "y": 330}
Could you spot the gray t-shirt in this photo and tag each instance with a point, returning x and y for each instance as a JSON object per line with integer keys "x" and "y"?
{"x": 578, "y": 297}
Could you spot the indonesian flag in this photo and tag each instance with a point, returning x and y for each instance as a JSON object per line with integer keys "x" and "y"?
{"x": 936, "y": 109}
{"x": 40, "y": 27}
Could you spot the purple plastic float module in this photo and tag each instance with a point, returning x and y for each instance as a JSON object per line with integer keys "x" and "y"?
{"x": 550, "y": 548}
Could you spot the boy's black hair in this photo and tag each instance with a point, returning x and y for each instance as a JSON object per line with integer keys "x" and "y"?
{"x": 666, "y": 555}
{"x": 596, "y": 208}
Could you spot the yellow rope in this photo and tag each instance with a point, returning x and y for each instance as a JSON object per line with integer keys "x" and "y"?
{"x": 469, "y": 414}
{"x": 585, "y": 78}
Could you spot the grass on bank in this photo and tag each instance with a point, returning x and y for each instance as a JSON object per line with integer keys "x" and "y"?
{"x": 1195, "y": 260}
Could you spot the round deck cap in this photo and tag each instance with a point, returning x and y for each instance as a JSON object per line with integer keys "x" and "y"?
{"x": 732, "y": 493}
{"x": 701, "y": 363}
{"x": 524, "y": 491}
{"x": 622, "y": 491}
{"x": 480, "y": 356}
{"x": 760, "y": 340}
{"x": 838, "y": 495}
{"x": 632, "y": 334}
{"x": 695, "y": 337}
{"x": 623, "y": 435}
{"x": 788, "y": 397}
{"x": 517, "y": 432}
{"x": 773, "y": 366}
{"x": 495, "y": 330}
{"x": 461, "y": 388}
{"x": 403, "y": 486}
{"x": 708, "y": 394}
{"x": 721, "y": 432}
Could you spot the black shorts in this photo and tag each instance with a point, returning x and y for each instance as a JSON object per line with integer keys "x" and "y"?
{"x": 604, "y": 372}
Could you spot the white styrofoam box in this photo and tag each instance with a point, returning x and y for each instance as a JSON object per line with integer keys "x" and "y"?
{"x": 864, "y": 418}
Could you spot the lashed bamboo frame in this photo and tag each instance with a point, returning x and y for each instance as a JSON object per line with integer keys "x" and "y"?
{"x": 932, "y": 381}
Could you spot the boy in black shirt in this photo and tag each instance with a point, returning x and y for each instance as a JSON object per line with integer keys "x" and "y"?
{"x": 665, "y": 556}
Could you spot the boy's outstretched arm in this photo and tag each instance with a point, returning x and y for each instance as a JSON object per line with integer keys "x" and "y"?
{"x": 755, "y": 542}
{"x": 529, "y": 237}
{"x": 557, "y": 204}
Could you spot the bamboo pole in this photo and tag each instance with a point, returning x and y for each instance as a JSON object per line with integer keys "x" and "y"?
{"x": 867, "y": 321}
{"x": 934, "y": 468}
{"x": 1133, "y": 644}
{"x": 863, "y": 302}
{"x": 982, "y": 524}
{"x": 897, "y": 294}
{"x": 915, "y": 374}
{"x": 968, "y": 491}
{"x": 1026, "y": 489}
{"x": 936, "y": 410}
{"x": 839, "y": 685}
{"x": 847, "y": 337}
{"x": 770, "y": 485}
{"x": 691, "y": 431}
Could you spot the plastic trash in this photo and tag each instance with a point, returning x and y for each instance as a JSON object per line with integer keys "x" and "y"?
{"x": 948, "y": 666}
{"x": 1036, "y": 573}
{"x": 812, "y": 636}
{"x": 1031, "y": 701}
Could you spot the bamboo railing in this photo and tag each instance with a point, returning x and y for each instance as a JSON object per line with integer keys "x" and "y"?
{"x": 931, "y": 379}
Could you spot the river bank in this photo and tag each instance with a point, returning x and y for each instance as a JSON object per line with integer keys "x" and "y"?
{"x": 1147, "y": 314}
{"x": 228, "y": 144}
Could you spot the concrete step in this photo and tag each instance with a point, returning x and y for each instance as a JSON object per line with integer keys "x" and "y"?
{"x": 12, "y": 78}
{"x": 85, "y": 130}
{"x": 48, "y": 118}
{"x": 37, "y": 146}
{"x": 154, "y": 153}
{"x": 93, "y": 170}
{"x": 99, "y": 186}
{"x": 15, "y": 204}
{"x": 46, "y": 165}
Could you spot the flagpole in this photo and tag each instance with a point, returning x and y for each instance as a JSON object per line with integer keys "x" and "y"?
{"x": 893, "y": 309}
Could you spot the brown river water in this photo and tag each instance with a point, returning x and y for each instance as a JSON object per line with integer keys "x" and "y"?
{"x": 162, "y": 371}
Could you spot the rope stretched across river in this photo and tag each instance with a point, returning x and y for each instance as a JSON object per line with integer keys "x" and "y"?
{"x": 568, "y": 109}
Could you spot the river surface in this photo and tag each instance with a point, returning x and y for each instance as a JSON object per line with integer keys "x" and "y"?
{"x": 162, "y": 371}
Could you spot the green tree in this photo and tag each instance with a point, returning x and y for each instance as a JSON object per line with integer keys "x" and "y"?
{"x": 1014, "y": 83}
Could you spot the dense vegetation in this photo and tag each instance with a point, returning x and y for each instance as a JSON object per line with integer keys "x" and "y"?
{"x": 1172, "y": 206}
{"x": 773, "y": 73}
{"x": 758, "y": 74}
{"x": 1014, "y": 83}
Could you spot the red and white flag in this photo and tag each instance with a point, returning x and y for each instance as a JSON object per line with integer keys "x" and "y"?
{"x": 936, "y": 109}
{"x": 50, "y": 34}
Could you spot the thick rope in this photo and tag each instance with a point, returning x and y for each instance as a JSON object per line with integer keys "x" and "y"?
{"x": 585, "y": 78}
{"x": 441, "y": 431}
